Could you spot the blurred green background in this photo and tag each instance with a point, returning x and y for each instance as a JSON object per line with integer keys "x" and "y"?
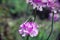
{"x": 15, "y": 12}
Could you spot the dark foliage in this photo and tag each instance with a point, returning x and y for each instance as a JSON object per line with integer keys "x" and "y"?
{"x": 0, "y": 1}
{"x": 58, "y": 37}
{"x": 15, "y": 15}
{"x": 43, "y": 14}
{"x": 0, "y": 37}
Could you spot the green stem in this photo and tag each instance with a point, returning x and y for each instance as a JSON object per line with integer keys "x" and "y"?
{"x": 27, "y": 37}
{"x": 35, "y": 15}
{"x": 51, "y": 26}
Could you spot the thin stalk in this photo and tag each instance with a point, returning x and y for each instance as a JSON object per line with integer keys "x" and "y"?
{"x": 27, "y": 37}
{"x": 35, "y": 15}
{"x": 51, "y": 26}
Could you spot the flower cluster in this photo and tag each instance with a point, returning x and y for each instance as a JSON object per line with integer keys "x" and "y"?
{"x": 28, "y": 28}
{"x": 51, "y": 4}
{"x": 39, "y": 4}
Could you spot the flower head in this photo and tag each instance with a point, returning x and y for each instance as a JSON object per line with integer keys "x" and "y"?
{"x": 28, "y": 28}
{"x": 43, "y": 3}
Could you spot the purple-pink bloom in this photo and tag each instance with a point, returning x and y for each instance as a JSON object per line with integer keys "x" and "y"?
{"x": 28, "y": 28}
{"x": 43, "y": 3}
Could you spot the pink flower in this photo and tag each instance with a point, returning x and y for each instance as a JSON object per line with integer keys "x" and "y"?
{"x": 43, "y": 3}
{"x": 28, "y": 28}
